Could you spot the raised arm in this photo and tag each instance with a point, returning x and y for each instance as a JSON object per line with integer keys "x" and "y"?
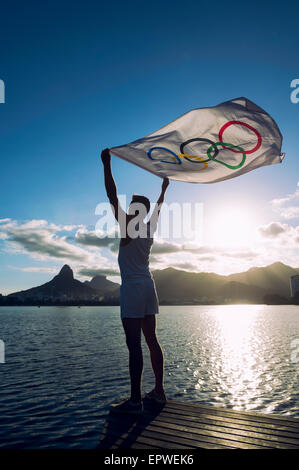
{"x": 156, "y": 212}
{"x": 111, "y": 186}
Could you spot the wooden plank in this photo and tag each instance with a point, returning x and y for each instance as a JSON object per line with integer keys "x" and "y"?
{"x": 181, "y": 431}
{"x": 247, "y": 414}
{"x": 243, "y": 423}
{"x": 229, "y": 439}
{"x": 223, "y": 423}
{"x": 114, "y": 427}
{"x": 180, "y": 425}
{"x": 159, "y": 440}
{"x": 125, "y": 440}
{"x": 178, "y": 436}
{"x": 159, "y": 433}
{"x": 205, "y": 432}
{"x": 148, "y": 438}
{"x": 294, "y": 423}
{"x": 230, "y": 433}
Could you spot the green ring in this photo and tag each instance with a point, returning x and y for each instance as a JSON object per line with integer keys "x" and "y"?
{"x": 226, "y": 164}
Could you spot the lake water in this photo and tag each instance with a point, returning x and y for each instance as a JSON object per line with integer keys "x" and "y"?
{"x": 65, "y": 365}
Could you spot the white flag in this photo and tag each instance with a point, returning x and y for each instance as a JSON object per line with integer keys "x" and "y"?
{"x": 206, "y": 145}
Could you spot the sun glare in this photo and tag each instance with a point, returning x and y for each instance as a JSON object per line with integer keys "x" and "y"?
{"x": 230, "y": 228}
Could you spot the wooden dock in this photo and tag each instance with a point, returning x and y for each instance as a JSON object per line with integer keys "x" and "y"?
{"x": 181, "y": 425}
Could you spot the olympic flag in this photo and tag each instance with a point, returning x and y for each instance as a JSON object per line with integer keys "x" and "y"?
{"x": 206, "y": 145}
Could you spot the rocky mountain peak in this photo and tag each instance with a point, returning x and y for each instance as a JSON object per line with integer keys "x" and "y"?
{"x": 66, "y": 272}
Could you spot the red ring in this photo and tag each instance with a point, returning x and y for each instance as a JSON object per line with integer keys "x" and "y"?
{"x": 259, "y": 137}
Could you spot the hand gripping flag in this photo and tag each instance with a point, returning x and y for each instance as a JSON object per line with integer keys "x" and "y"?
{"x": 206, "y": 145}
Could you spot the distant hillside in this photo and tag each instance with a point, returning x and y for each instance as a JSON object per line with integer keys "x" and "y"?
{"x": 103, "y": 286}
{"x": 269, "y": 284}
{"x": 274, "y": 278}
{"x": 251, "y": 286}
{"x": 64, "y": 287}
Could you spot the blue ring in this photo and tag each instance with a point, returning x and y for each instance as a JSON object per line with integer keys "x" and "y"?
{"x": 179, "y": 162}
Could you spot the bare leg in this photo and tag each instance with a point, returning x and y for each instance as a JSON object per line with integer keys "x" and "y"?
{"x": 149, "y": 331}
{"x": 132, "y": 327}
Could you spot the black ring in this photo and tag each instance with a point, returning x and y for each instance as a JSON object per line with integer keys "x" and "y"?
{"x": 216, "y": 150}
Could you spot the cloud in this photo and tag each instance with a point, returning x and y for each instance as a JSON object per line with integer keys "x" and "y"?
{"x": 98, "y": 239}
{"x": 111, "y": 241}
{"x": 205, "y": 259}
{"x": 287, "y": 207}
{"x": 185, "y": 266}
{"x": 160, "y": 247}
{"x": 40, "y": 239}
{"x": 92, "y": 272}
{"x": 83, "y": 248}
{"x": 246, "y": 254}
{"x": 273, "y": 229}
{"x": 290, "y": 212}
{"x": 30, "y": 269}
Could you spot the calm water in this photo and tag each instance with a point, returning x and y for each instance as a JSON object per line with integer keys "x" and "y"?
{"x": 64, "y": 365}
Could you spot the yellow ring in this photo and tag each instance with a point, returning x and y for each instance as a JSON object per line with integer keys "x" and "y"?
{"x": 205, "y": 164}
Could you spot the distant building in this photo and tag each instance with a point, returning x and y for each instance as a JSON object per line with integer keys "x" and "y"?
{"x": 294, "y": 285}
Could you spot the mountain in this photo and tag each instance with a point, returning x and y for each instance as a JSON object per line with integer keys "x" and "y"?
{"x": 176, "y": 286}
{"x": 274, "y": 278}
{"x": 103, "y": 286}
{"x": 269, "y": 284}
{"x": 62, "y": 287}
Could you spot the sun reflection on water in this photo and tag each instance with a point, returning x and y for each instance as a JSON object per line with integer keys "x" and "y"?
{"x": 239, "y": 351}
{"x": 237, "y": 360}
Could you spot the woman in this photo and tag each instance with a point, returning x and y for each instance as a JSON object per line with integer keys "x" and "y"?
{"x": 138, "y": 297}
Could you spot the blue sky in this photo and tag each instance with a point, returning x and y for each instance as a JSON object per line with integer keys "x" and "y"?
{"x": 82, "y": 76}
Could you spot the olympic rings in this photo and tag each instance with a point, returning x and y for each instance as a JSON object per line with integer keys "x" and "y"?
{"x": 177, "y": 162}
{"x": 232, "y": 167}
{"x": 202, "y": 140}
{"x": 201, "y": 160}
{"x": 259, "y": 137}
{"x": 213, "y": 146}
